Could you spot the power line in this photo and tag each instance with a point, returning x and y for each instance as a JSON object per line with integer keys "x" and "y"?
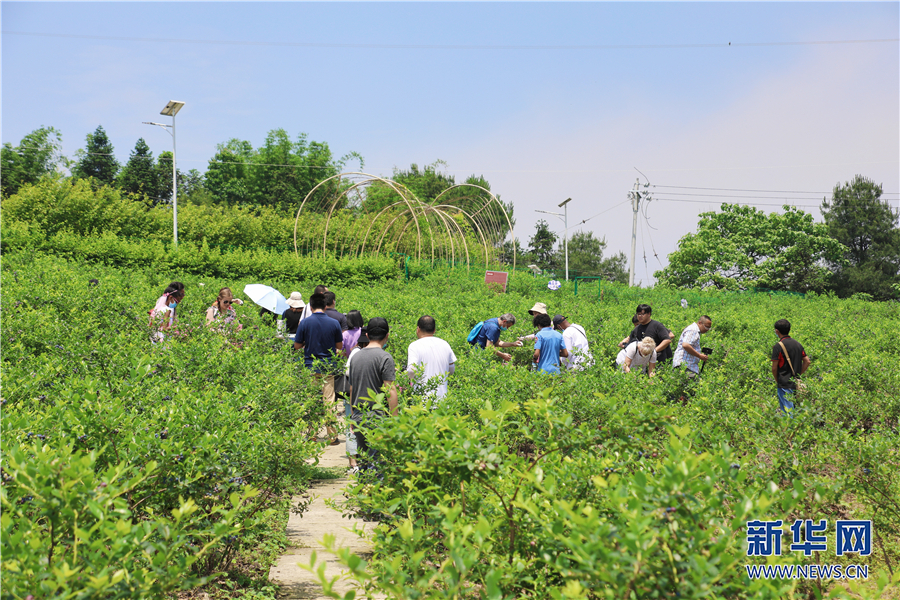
{"x": 598, "y": 214}
{"x": 740, "y": 203}
{"x": 452, "y": 46}
{"x": 733, "y": 196}
{"x": 688, "y": 187}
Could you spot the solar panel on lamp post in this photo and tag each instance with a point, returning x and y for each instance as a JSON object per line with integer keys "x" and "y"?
{"x": 171, "y": 109}
{"x": 565, "y": 220}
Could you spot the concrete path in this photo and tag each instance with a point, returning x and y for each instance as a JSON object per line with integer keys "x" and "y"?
{"x": 305, "y": 533}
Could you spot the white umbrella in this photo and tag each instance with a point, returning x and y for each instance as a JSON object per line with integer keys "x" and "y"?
{"x": 266, "y": 297}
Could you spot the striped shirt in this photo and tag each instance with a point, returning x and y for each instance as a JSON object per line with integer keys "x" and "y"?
{"x": 691, "y": 336}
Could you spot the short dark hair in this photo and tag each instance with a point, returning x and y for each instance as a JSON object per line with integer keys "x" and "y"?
{"x": 634, "y": 319}
{"x": 644, "y": 308}
{"x": 317, "y": 302}
{"x": 320, "y": 289}
{"x": 426, "y": 323}
{"x": 783, "y": 326}
{"x": 354, "y": 319}
{"x": 541, "y": 320}
{"x": 705, "y": 318}
{"x": 378, "y": 329}
{"x": 330, "y": 298}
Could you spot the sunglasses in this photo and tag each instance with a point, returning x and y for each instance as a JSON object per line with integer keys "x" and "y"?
{"x": 227, "y": 301}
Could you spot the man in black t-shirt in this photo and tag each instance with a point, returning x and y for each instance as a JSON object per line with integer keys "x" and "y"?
{"x": 648, "y": 327}
{"x": 789, "y": 360}
{"x": 330, "y": 301}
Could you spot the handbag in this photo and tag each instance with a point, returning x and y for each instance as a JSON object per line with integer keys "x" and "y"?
{"x": 801, "y": 387}
{"x": 342, "y": 386}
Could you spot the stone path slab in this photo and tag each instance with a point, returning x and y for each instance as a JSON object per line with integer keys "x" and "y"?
{"x": 305, "y": 533}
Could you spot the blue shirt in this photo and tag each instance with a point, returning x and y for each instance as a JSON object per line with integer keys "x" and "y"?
{"x": 549, "y": 342}
{"x": 319, "y": 333}
{"x": 490, "y": 332}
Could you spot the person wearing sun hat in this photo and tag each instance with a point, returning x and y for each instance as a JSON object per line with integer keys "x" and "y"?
{"x": 576, "y": 343}
{"x": 292, "y": 315}
{"x": 539, "y": 308}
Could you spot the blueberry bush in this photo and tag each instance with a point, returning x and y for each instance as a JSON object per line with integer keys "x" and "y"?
{"x": 133, "y": 469}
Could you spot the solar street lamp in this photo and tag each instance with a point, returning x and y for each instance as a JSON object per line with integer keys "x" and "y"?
{"x": 565, "y": 220}
{"x": 171, "y": 110}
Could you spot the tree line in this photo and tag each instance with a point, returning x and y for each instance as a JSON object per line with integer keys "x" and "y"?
{"x": 278, "y": 174}
{"x": 856, "y": 250}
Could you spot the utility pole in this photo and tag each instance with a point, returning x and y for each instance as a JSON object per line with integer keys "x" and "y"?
{"x": 635, "y": 194}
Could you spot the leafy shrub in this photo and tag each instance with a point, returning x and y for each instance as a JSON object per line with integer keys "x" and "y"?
{"x": 216, "y": 414}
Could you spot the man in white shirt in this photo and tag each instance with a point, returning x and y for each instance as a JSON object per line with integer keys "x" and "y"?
{"x": 576, "y": 343}
{"x": 430, "y": 359}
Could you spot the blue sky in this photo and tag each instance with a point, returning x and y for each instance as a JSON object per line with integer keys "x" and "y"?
{"x": 546, "y": 100}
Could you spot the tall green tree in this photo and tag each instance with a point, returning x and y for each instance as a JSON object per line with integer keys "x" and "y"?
{"x": 38, "y": 154}
{"x": 540, "y": 245}
{"x": 866, "y": 225}
{"x": 279, "y": 174}
{"x": 164, "y": 178}
{"x": 140, "y": 175}
{"x": 228, "y": 176}
{"x": 586, "y": 258}
{"x": 742, "y": 247}
{"x": 97, "y": 160}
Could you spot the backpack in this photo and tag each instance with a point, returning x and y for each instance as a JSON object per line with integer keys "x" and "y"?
{"x": 473, "y": 335}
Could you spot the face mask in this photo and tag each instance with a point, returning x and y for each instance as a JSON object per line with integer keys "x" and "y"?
{"x": 173, "y": 304}
{"x": 502, "y": 328}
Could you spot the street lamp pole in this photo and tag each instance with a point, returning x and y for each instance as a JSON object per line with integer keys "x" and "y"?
{"x": 565, "y": 220}
{"x": 564, "y": 206}
{"x": 171, "y": 110}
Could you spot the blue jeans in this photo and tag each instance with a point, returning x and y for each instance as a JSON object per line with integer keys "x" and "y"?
{"x": 786, "y": 405}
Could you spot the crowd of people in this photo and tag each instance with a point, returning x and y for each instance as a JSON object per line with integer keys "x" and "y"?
{"x": 324, "y": 335}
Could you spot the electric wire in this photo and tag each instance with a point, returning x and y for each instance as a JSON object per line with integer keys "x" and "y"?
{"x": 688, "y": 187}
{"x": 369, "y": 46}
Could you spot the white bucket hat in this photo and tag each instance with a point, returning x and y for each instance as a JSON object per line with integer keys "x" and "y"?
{"x": 296, "y": 300}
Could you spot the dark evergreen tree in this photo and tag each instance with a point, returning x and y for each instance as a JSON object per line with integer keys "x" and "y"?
{"x": 97, "y": 160}
{"x": 541, "y": 245}
{"x": 858, "y": 218}
{"x": 586, "y": 258}
{"x": 139, "y": 175}
{"x": 164, "y": 177}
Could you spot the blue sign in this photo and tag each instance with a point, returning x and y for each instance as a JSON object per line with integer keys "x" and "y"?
{"x": 813, "y": 543}
{"x": 851, "y": 537}
{"x": 854, "y": 537}
{"x": 764, "y": 538}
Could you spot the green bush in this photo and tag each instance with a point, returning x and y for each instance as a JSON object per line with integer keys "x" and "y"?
{"x": 502, "y": 462}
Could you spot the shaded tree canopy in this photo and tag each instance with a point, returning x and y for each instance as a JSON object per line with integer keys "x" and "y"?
{"x": 742, "y": 247}
{"x": 38, "y": 154}
{"x": 540, "y": 245}
{"x": 97, "y": 160}
{"x": 432, "y": 186}
{"x": 140, "y": 175}
{"x": 586, "y": 258}
{"x": 164, "y": 177}
{"x": 279, "y": 174}
{"x": 866, "y": 225}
